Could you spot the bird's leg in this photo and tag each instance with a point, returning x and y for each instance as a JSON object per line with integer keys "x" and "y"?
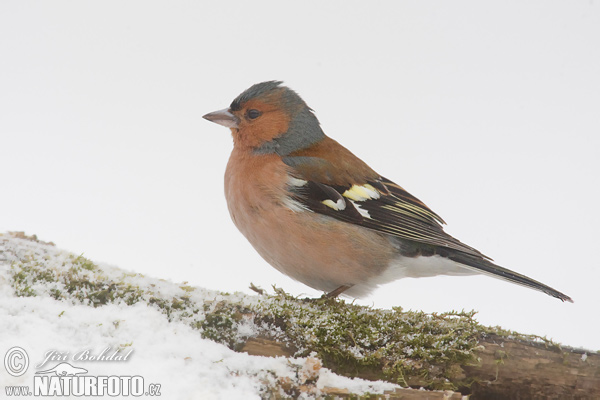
{"x": 337, "y": 292}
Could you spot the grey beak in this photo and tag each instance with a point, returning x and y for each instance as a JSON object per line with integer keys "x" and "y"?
{"x": 223, "y": 117}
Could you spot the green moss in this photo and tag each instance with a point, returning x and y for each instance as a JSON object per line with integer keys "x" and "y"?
{"x": 404, "y": 347}
{"x": 220, "y": 323}
{"x": 179, "y": 308}
{"x": 29, "y": 274}
{"x": 56, "y": 294}
{"x": 77, "y": 278}
{"x": 411, "y": 348}
{"x": 82, "y": 262}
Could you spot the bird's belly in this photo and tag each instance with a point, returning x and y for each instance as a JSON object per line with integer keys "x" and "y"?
{"x": 422, "y": 267}
{"x": 316, "y": 250}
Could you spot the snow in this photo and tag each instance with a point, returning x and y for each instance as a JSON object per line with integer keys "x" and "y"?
{"x": 169, "y": 353}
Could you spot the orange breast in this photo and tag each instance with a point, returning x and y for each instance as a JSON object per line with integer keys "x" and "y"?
{"x": 317, "y": 250}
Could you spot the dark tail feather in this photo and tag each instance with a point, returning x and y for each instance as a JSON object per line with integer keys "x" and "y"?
{"x": 489, "y": 268}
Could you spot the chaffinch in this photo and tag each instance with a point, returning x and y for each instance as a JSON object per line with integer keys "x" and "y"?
{"x": 319, "y": 214}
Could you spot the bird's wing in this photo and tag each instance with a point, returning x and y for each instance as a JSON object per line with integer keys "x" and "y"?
{"x": 370, "y": 201}
{"x": 362, "y": 197}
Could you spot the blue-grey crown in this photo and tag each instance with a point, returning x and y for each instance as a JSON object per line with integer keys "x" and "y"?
{"x": 304, "y": 129}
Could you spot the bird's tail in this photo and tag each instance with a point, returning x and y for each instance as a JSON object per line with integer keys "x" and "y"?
{"x": 489, "y": 268}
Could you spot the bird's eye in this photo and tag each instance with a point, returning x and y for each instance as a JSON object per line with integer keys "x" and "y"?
{"x": 253, "y": 114}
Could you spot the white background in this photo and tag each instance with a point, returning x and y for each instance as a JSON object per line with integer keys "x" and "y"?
{"x": 489, "y": 113}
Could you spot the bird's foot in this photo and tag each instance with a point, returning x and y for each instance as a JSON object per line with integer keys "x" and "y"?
{"x": 335, "y": 293}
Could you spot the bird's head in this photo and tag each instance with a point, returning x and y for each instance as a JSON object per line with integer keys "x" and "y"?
{"x": 270, "y": 118}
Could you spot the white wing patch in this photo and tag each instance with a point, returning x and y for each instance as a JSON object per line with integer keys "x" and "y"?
{"x": 290, "y": 203}
{"x": 358, "y": 193}
{"x": 362, "y": 193}
{"x": 362, "y": 212}
{"x": 295, "y": 181}
{"x": 337, "y": 206}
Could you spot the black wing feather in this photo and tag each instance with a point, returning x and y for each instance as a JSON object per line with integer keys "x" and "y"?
{"x": 394, "y": 212}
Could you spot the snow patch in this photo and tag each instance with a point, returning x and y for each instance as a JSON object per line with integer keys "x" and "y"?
{"x": 167, "y": 351}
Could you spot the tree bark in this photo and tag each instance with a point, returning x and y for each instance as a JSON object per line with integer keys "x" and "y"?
{"x": 508, "y": 369}
{"x": 512, "y": 369}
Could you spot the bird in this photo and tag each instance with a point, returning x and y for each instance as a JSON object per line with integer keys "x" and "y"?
{"x": 321, "y": 215}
